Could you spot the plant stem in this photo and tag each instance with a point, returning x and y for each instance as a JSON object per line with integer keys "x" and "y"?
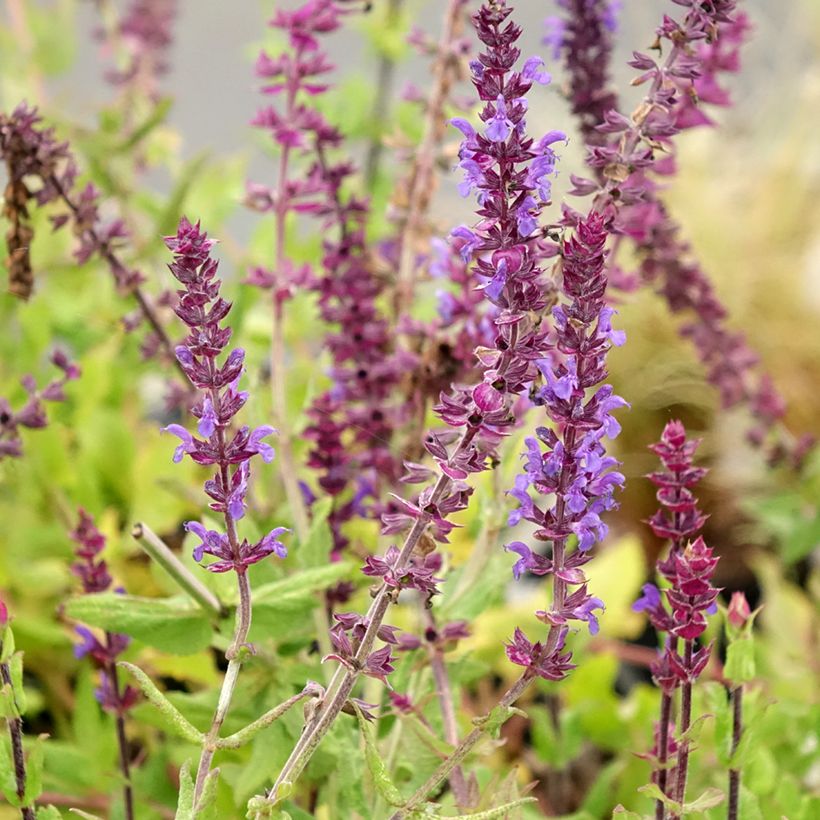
{"x": 160, "y": 552}
{"x": 419, "y": 181}
{"x": 15, "y": 725}
{"x": 463, "y": 749}
{"x": 736, "y": 697}
{"x": 116, "y": 267}
{"x": 444, "y": 692}
{"x": 122, "y": 739}
{"x": 685, "y": 722}
{"x": 381, "y": 104}
{"x": 663, "y": 752}
{"x": 243, "y": 623}
{"x": 345, "y": 678}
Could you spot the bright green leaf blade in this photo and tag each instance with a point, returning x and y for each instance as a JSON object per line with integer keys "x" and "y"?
{"x": 166, "y": 624}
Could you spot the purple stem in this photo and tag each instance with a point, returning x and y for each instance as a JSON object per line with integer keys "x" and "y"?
{"x": 685, "y": 723}
{"x": 15, "y": 725}
{"x": 663, "y": 750}
{"x": 444, "y": 692}
{"x": 122, "y": 739}
{"x": 736, "y": 697}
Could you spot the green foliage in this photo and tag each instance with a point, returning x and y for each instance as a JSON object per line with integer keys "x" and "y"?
{"x": 170, "y": 625}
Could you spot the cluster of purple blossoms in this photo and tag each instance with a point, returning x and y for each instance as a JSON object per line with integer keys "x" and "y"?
{"x": 680, "y": 613}
{"x": 93, "y": 573}
{"x": 202, "y": 309}
{"x": 346, "y": 636}
{"x": 353, "y": 422}
{"x": 689, "y": 565}
{"x": 569, "y": 463}
{"x": 32, "y": 414}
{"x": 585, "y": 39}
{"x": 627, "y": 165}
{"x": 145, "y": 34}
{"x": 31, "y": 151}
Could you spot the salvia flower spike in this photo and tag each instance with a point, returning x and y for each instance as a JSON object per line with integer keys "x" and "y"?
{"x": 203, "y": 310}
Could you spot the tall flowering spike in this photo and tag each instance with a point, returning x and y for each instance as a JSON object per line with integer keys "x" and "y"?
{"x": 680, "y": 612}
{"x": 103, "y": 651}
{"x": 352, "y": 423}
{"x": 584, "y": 36}
{"x": 203, "y": 310}
{"x": 569, "y": 463}
{"x": 145, "y": 34}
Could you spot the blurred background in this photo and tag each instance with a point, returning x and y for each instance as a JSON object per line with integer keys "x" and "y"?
{"x": 747, "y": 194}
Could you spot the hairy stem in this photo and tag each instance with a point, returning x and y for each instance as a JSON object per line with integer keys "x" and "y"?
{"x": 345, "y": 678}
{"x": 15, "y": 725}
{"x": 122, "y": 739}
{"x": 243, "y": 623}
{"x": 736, "y": 697}
{"x": 663, "y": 750}
{"x": 419, "y": 181}
{"x": 116, "y": 266}
{"x": 160, "y": 552}
{"x": 462, "y": 750}
{"x": 685, "y": 722}
{"x": 444, "y": 693}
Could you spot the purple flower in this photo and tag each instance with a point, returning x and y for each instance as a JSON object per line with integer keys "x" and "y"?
{"x": 499, "y": 125}
{"x": 202, "y": 309}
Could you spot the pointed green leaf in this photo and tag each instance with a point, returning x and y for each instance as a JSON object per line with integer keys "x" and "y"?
{"x": 34, "y": 771}
{"x": 169, "y": 711}
{"x": 16, "y": 675}
{"x": 206, "y": 807}
{"x": 302, "y": 583}
{"x": 49, "y": 813}
{"x": 6, "y": 644}
{"x": 185, "y": 801}
{"x": 375, "y": 763}
{"x": 708, "y": 800}
{"x": 740, "y": 661}
{"x": 427, "y": 736}
{"x": 170, "y": 625}
{"x": 8, "y": 784}
{"x": 492, "y": 722}
{"x": 314, "y": 552}
{"x": 653, "y": 790}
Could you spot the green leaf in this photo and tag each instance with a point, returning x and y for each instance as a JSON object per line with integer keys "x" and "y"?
{"x": 6, "y": 644}
{"x": 708, "y": 800}
{"x": 185, "y": 802}
{"x": 8, "y": 784}
{"x": 492, "y": 722}
{"x": 164, "y": 623}
{"x": 653, "y": 790}
{"x": 489, "y": 814}
{"x": 375, "y": 763}
{"x": 427, "y": 736}
{"x": 155, "y": 118}
{"x": 314, "y": 552}
{"x": 206, "y": 807}
{"x": 49, "y": 813}
{"x": 170, "y": 712}
{"x": 740, "y": 661}
{"x": 34, "y": 771}
{"x": 303, "y": 583}
{"x": 16, "y": 675}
